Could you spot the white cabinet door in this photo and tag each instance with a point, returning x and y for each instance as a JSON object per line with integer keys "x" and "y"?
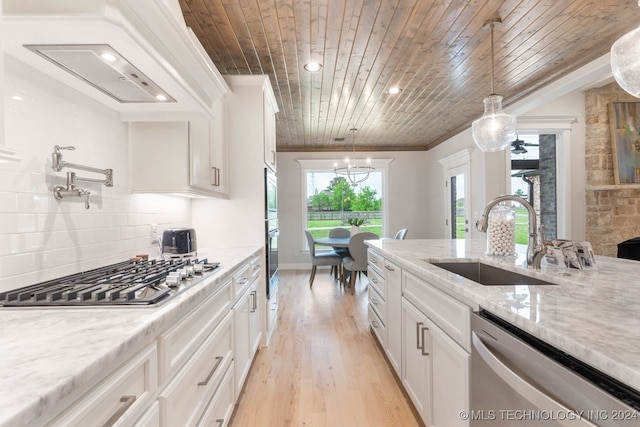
{"x": 207, "y": 153}
{"x": 218, "y": 144}
{"x": 241, "y": 343}
{"x": 255, "y": 316}
{"x": 272, "y": 313}
{"x": 450, "y": 377}
{"x": 200, "y": 172}
{"x": 179, "y": 158}
{"x": 393, "y": 282}
{"x": 416, "y": 360}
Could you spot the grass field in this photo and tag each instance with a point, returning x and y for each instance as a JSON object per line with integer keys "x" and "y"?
{"x": 320, "y": 228}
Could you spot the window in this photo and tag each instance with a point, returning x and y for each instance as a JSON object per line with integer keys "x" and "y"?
{"x": 330, "y": 201}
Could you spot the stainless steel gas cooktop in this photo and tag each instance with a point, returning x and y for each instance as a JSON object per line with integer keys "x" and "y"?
{"x": 134, "y": 282}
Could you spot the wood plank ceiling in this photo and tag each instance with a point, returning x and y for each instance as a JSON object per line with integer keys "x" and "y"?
{"x": 437, "y": 51}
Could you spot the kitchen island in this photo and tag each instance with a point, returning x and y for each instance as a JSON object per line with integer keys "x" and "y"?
{"x": 52, "y": 357}
{"x": 594, "y": 314}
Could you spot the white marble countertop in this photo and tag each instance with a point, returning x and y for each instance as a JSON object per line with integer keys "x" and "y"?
{"x": 47, "y": 354}
{"x": 592, "y": 314}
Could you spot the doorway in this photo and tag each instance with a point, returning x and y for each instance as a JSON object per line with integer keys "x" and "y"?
{"x": 458, "y": 191}
{"x": 534, "y": 178}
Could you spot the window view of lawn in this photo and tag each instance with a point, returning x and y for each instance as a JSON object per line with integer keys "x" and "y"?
{"x": 332, "y": 202}
{"x": 320, "y": 228}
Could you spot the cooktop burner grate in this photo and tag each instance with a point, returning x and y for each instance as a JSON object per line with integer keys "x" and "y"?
{"x": 133, "y": 282}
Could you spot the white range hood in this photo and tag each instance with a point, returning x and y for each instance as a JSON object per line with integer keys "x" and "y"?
{"x": 135, "y": 56}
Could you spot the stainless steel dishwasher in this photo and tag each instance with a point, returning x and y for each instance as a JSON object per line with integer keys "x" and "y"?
{"x": 519, "y": 380}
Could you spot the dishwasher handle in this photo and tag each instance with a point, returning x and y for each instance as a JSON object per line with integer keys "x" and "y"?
{"x": 523, "y": 387}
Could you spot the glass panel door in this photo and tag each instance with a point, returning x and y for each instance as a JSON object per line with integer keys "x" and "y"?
{"x": 457, "y": 212}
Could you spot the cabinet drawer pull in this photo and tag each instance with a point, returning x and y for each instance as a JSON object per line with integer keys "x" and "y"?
{"x": 243, "y": 280}
{"x": 424, "y": 345}
{"x": 373, "y": 279}
{"x": 254, "y": 301}
{"x": 375, "y": 301}
{"x": 220, "y": 421}
{"x": 375, "y": 324}
{"x": 373, "y": 261}
{"x": 126, "y": 401}
{"x": 215, "y": 368}
{"x": 216, "y": 176}
{"x": 389, "y": 268}
{"x": 418, "y": 326}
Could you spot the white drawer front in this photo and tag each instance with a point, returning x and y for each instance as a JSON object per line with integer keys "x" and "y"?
{"x": 377, "y": 281}
{"x": 120, "y": 399}
{"x": 242, "y": 279}
{"x": 178, "y": 343}
{"x": 378, "y": 304}
{"x": 377, "y": 326}
{"x": 450, "y": 315}
{"x": 255, "y": 268}
{"x": 184, "y": 399}
{"x": 376, "y": 261}
{"x": 221, "y": 407}
{"x": 151, "y": 418}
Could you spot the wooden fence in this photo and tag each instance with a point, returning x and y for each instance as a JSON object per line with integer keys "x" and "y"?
{"x": 339, "y": 215}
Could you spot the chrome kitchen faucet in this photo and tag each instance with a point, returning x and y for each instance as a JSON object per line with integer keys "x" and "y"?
{"x": 535, "y": 248}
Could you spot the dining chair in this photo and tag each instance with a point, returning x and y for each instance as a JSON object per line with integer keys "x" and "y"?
{"x": 323, "y": 259}
{"x": 357, "y": 259}
{"x": 343, "y": 252}
{"x": 401, "y": 234}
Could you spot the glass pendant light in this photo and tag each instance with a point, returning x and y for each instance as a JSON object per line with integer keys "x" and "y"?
{"x": 625, "y": 61}
{"x": 495, "y": 130}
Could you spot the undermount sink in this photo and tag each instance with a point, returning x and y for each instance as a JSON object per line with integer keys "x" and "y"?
{"x": 488, "y": 275}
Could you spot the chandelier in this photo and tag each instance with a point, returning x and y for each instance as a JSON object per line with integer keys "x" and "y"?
{"x": 625, "y": 61}
{"x": 356, "y": 171}
{"x": 495, "y": 130}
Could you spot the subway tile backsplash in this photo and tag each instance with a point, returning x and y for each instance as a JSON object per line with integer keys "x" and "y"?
{"x": 43, "y": 238}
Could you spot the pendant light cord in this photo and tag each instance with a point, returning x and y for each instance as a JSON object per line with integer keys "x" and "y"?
{"x": 492, "y": 63}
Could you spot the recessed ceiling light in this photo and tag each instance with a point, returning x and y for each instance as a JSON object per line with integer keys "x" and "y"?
{"x": 108, "y": 56}
{"x": 313, "y": 67}
{"x": 394, "y": 90}
{"x": 161, "y": 97}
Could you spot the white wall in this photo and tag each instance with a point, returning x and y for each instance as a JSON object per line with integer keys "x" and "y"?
{"x": 407, "y": 198}
{"x": 42, "y": 238}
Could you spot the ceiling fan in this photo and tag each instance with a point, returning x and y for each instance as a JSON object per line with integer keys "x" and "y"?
{"x": 517, "y": 146}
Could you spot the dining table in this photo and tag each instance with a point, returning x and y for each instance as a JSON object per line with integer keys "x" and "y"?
{"x": 336, "y": 242}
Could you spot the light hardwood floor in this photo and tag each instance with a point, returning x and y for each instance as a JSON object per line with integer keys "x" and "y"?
{"x": 322, "y": 367}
